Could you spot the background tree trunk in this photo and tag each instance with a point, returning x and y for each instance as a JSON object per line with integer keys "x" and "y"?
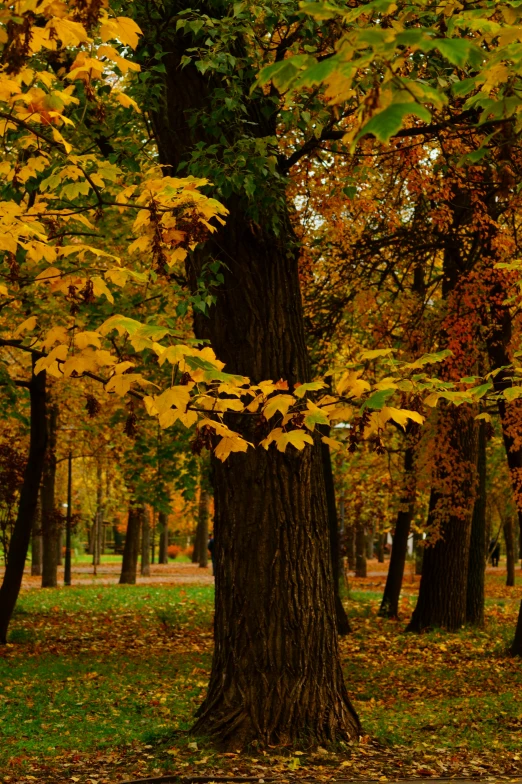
{"x": 200, "y": 546}
{"x": 27, "y": 505}
{"x": 145, "y": 542}
{"x": 343, "y": 625}
{"x": 360, "y": 546}
{"x": 380, "y": 547}
{"x": 36, "y": 544}
{"x": 350, "y": 546}
{"x": 131, "y": 548}
{"x": 509, "y": 538}
{"x": 392, "y": 590}
{"x": 51, "y": 528}
{"x": 442, "y": 592}
{"x": 478, "y": 542}
{"x": 163, "y": 556}
{"x": 418, "y": 553}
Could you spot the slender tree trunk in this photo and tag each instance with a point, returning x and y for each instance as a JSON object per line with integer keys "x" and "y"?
{"x": 145, "y": 542}
{"x": 509, "y": 538}
{"x": 350, "y": 546}
{"x": 131, "y": 549}
{"x": 200, "y": 544}
{"x": 478, "y": 541}
{"x": 418, "y": 553}
{"x": 98, "y": 523}
{"x": 392, "y": 590}
{"x": 360, "y": 546}
{"x": 516, "y": 645}
{"x": 163, "y": 556}
{"x": 36, "y": 544}
{"x": 51, "y": 524}
{"x": 370, "y": 536}
{"x": 343, "y": 625}
{"x": 442, "y": 592}
{"x": 380, "y": 548}
{"x": 27, "y": 505}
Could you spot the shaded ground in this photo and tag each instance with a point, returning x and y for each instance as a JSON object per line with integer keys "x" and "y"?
{"x": 100, "y": 683}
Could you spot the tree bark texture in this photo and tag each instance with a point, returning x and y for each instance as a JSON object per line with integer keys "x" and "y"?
{"x": 343, "y": 625}
{"x": 27, "y": 505}
{"x": 442, "y": 592}
{"x": 163, "y": 555}
{"x": 51, "y": 522}
{"x": 131, "y": 549}
{"x": 509, "y": 538}
{"x": 145, "y": 542}
{"x": 478, "y": 546}
{"x": 276, "y": 674}
{"x": 392, "y": 590}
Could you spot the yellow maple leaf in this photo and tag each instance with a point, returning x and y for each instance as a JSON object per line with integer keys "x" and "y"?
{"x": 228, "y": 445}
{"x": 279, "y": 403}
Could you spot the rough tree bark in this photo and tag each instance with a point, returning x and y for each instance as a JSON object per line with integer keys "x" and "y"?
{"x": 50, "y": 519}
{"x": 27, "y": 505}
{"x": 442, "y": 592}
{"x": 276, "y": 674}
{"x": 163, "y": 555}
{"x": 145, "y": 542}
{"x": 498, "y": 340}
{"x": 478, "y": 541}
{"x": 392, "y": 590}
{"x": 131, "y": 549}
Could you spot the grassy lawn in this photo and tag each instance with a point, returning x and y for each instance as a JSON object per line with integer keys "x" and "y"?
{"x": 101, "y": 684}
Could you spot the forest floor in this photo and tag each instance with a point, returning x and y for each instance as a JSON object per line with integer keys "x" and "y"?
{"x": 99, "y": 684}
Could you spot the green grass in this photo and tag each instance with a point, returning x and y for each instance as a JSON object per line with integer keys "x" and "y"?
{"x": 95, "y": 669}
{"x": 119, "y": 671}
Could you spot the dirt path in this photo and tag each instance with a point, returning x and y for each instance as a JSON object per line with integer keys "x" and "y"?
{"x": 109, "y": 574}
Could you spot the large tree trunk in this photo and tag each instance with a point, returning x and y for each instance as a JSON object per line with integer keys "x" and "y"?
{"x": 478, "y": 541}
{"x": 392, "y": 590}
{"x": 51, "y": 524}
{"x": 27, "y": 505}
{"x": 509, "y": 538}
{"x": 343, "y": 625}
{"x": 163, "y": 555}
{"x": 442, "y": 592}
{"x": 145, "y": 543}
{"x": 131, "y": 549}
{"x": 276, "y": 674}
{"x": 498, "y": 340}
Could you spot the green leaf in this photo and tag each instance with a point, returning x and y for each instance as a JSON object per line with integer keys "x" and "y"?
{"x": 457, "y": 50}
{"x": 378, "y": 399}
{"x": 387, "y": 123}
